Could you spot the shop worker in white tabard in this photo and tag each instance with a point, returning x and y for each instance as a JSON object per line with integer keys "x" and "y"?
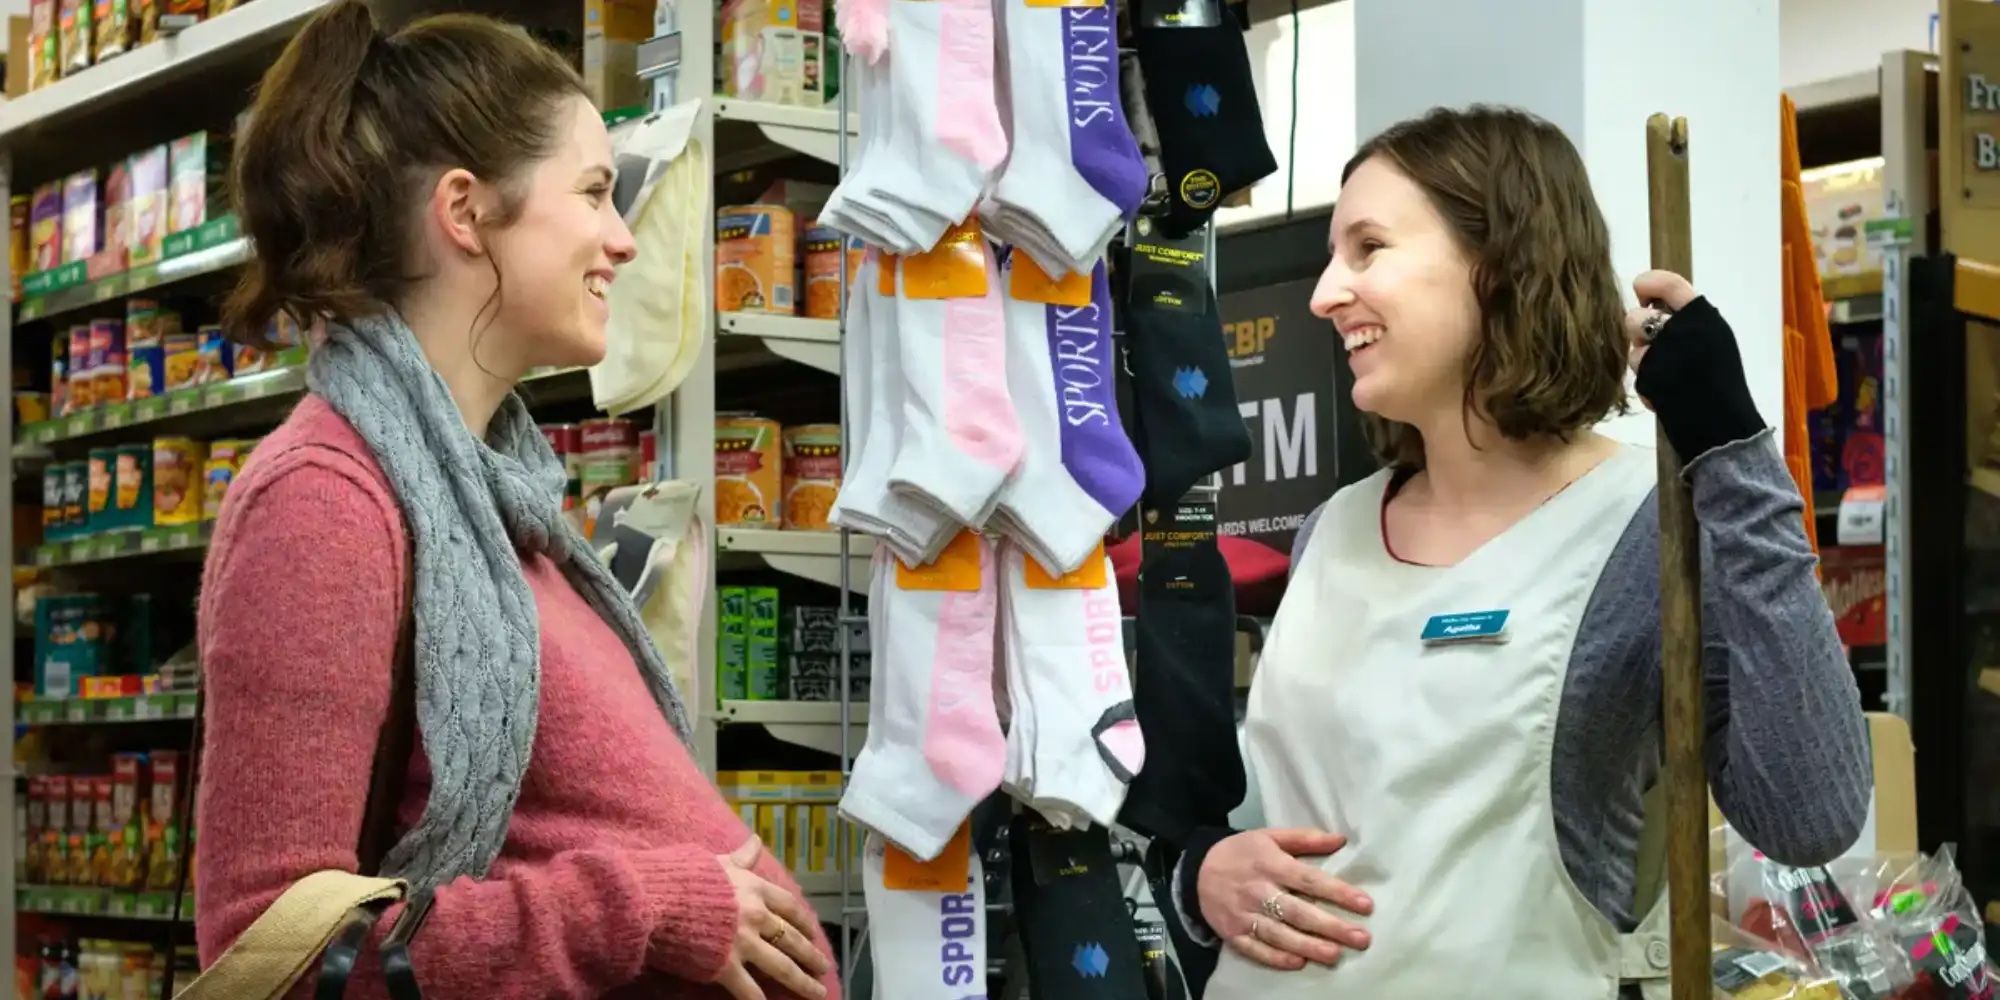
{"x": 1456, "y": 716}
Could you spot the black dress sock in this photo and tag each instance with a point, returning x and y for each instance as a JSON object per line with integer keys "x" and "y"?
{"x": 1197, "y": 963}
{"x": 1182, "y": 385}
{"x": 1071, "y": 913}
{"x": 1204, "y": 104}
{"x": 1184, "y": 691}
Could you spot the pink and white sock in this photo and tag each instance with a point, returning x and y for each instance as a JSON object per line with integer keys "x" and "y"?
{"x": 934, "y": 747}
{"x": 874, "y": 390}
{"x": 1075, "y": 173}
{"x": 1079, "y": 472}
{"x": 961, "y": 437}
{"x": 854, "y": 207}
{"x": 947, "y": 140}
{"x": 1065, "y": 640}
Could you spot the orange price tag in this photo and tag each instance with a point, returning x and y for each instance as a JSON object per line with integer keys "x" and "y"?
{"x": 1032, "y": 284}
{"x": 1089, "y": 576}
{"x": 950, "y": 871}
{"x": 956, "y": 268}
{"x": 885, "y": 275}
{"x": 957, "y": 568}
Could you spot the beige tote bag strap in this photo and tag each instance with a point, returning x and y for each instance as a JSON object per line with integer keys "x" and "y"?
{"x": 288, "y": 941}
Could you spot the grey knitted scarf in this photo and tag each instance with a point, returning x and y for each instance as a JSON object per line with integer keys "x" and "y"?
{"x": 469, "y": 506}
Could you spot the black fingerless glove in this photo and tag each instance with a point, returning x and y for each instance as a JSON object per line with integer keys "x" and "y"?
{"x": 1693, "y": 377}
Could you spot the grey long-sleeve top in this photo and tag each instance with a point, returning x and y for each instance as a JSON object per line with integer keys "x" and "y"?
{"x": 1787, "y": 747}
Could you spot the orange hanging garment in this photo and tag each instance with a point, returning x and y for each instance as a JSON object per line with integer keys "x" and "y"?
{"x": 1811, "y": 382}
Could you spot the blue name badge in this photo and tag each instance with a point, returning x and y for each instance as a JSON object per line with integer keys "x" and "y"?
{"x": 1468, "y": 626}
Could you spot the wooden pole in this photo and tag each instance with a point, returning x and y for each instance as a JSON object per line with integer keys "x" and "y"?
{"x": 1680, "y": 607}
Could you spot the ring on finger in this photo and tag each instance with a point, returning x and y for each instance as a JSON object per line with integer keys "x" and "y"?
{"x": 1256, "y": 922}
{"x": 775, "y": 936}
{"x": 1649, "y": 328}
{"x": 1274, "y": 906}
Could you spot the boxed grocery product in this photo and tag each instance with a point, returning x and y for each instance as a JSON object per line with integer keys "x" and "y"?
{"x": 732, "y": 655}
{"x": 181, "y": 353}
{"x": 128, "y": 791}
{"x": 178, "y": 467}
{"x": 75, "y": 496}
{"x": 774, "y": 50}
{"x": 1855, "y": 580}
{"x": 53, "y": 528}
{"x": 118, "y": 213}
{"x": 73, "y": 640}
{"x": 107, "y": 360}
{"x": 44, "y": 44}
{"x": 225, "y": 461}
{"x": 216, "y": 359}
{"x": 45, "y": 228}
{"x": 148, "y": 213}
{"x": 187, "y": 182}
{"x": 59, "y": 373}
{"x": 1841, "y": 199}
{"x": 103, "y": 467}
{"x": 811, "y": 475}
{"x": 766, "y": 668}
{"x": 748, "y": 471}
{"x": 145, "y": 349}
{"x": 116, "y": 29}
{"x": 612, "y": 31}
{"x": 73, "y": 28}
{"x": 18, "y": 259}
{"x": 755, "y": 249}
{"x": 81, "y": 216}
{"x": 82, "y": 375}
{"x": 132, "y": 486}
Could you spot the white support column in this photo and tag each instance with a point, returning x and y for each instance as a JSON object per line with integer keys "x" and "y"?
{"x": 1597, "y": 68}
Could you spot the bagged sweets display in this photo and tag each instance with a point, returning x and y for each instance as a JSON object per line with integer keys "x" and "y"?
{"x": 73, "y": 28}
{"x": 80, "y": 216}
{"x": 147, "y": 215}
{"x": 45, "y": 225}
{"x": 187, "y": 182}
{"x": 116, "y": 30}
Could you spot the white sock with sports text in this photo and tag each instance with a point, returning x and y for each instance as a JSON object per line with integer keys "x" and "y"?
{"x": 924, "y": 944}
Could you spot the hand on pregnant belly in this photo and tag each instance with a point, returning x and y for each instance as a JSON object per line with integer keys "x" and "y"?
{"x": 1262, "y": 897}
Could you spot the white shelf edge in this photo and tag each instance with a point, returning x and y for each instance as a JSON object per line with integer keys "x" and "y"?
{"x": 811, "y": 131}
{"x": 136, "y": 69}
{"x": 814, "y": 343}
{"x": 790, "y": 713}
{"x": 778, "y": 542}
{"x": 1851, "y": 88}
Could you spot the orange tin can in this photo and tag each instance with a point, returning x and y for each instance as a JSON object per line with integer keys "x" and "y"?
{"x": 748, "y": 472}
{"x": 812, "y": 475}
{"x": 756, "y": 259}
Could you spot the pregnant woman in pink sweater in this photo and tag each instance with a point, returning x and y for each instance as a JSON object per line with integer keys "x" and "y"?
{"x": 441, "y": 200}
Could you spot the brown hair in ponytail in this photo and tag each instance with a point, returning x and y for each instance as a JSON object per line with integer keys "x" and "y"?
{"x": 348, "y": 132}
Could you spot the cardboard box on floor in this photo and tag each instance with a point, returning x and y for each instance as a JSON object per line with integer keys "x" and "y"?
{"x": 612, "y": 31}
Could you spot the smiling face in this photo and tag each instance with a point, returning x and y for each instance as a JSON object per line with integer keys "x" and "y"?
{"x": 1398, "y": 291}
{"x": 559, "y": 255}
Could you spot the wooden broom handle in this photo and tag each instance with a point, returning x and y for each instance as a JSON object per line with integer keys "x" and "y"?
{"x": 1682, "y": 724}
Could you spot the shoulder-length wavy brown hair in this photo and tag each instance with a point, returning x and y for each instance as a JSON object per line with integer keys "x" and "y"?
{"x": 1551, "y": 358}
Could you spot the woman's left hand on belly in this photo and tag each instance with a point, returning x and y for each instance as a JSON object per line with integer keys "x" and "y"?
{"x": 1263, "y": 900}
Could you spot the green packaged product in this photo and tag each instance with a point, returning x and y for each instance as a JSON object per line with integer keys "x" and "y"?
{"x": 767, "y": 677}
{"x": 732, "y": 634}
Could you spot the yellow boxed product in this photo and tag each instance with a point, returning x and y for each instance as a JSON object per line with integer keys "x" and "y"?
{"x": 771, "y": 827}
{"x": 1840, "y": 201}
{"x": 612, "y": 31}
{"x": 774, "y": 51}
{"x": 178, "y": 466}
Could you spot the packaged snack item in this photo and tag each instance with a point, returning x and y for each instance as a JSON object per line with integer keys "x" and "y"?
{"x": 811, "y": 475}
{"x": 132, "y": 486}
{"x": 74, "y": 27}
{"x": 52, "y": 503}
{"x": 59, "y": 404}
{"x": 225, "y": 461}
{"x": 822, "y": 269}
{"x": 147, "y": 14}
{"x": 217, "y": 359}
{"x": 128, "y": 772}
{"x": 45, "y": 226}
{"x": 182, "y": 352}
{"x": 75, "y": 496}
{"x": 82, "y": 797}
{"x": 103, "y": 464}
{"x": 163, "y": 836}
{"x": 187, "y": 182}
{"x": 116, "y": 30}
{"x": 17, "y": 236}
{"x": 146, "y": 369}
{"x": 118, "y": 210}
{"x": 101, "y": 827}
{"x": 107, "y": 360}
{"x": 147, "y": 215}
{"x": 81, "y": 216}
{"x": 82, "y": 371}
{"x": 44, "y": 44}
{"x": 754, "y": 259}
{"x": 31, "y": 407}
{"x": 748, "y": 472}
{"x": 178, "y": 466}
{"x": 38, "y": 823}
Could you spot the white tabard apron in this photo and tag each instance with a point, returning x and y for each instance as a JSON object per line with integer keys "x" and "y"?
{"x": 1433, "y": 758}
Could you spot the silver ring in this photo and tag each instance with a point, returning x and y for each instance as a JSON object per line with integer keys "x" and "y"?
{"x": 1274, "y": 907}
{"x": 1649, "y": 328}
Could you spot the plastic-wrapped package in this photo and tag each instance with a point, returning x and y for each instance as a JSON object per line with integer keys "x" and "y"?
{"x": 1925, "y": 908}
{"x": 1747, "y": 968}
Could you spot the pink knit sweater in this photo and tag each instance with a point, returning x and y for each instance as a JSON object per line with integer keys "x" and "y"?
{"x": 609, "y": 885}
